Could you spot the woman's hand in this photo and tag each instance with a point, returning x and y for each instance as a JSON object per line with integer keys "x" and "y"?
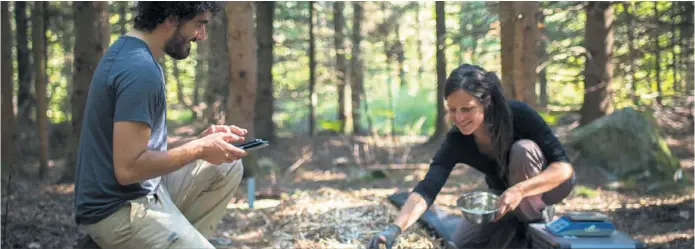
{"x": 387, "y": 237}
{"x": 508, "y": 201}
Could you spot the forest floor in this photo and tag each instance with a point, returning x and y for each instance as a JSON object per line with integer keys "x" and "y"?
{"x": 335, "y": 197}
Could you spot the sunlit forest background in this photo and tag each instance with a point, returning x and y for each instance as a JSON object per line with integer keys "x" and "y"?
{"x": 342, "y": 86}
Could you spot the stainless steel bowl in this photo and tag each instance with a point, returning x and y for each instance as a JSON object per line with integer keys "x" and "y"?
{"x": 478, "y": 207}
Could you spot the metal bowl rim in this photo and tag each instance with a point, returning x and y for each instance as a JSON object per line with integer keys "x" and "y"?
{"x": 479, "y": 193}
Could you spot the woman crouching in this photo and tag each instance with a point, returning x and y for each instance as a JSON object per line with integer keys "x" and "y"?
{"x": 507, "y": 141}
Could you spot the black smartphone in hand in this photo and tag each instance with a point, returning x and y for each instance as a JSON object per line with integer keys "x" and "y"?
{"x": 252, "y": 145}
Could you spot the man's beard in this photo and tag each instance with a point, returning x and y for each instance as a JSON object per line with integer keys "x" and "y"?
{"x": 176, "y": 47}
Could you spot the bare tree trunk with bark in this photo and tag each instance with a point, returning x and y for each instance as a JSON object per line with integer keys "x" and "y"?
{"x": 312, "y": 70}
{"x": 93, "y": 28}
{"x": 8, "y": 119}
{"x": 356, "y": 80}
{"x": 265, "y": 127}
{"x": 598, "y": 71}
{"x": 25, "y": 102}
{"x": 39, "y": 50}
{"x": 341, "y": 66}
{"x": 241, "y": 45}
{"x": 519, "y": 41}
{"x": 440, "y": 122}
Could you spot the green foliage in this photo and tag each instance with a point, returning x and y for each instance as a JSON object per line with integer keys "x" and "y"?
{"x": 472, "y": 37}
{"x": 584, "y": 191}
{"x": 551, "y": 117}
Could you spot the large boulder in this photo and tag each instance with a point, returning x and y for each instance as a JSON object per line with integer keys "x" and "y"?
{"x": 626, "y": 144}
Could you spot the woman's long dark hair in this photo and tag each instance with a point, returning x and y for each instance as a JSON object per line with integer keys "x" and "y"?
{"x": 485, "y": 86}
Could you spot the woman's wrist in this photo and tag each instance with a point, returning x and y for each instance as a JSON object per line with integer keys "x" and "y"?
{"x": 520, "y": 188}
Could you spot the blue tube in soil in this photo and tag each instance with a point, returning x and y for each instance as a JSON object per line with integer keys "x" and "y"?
{"x": 251, "y": 191}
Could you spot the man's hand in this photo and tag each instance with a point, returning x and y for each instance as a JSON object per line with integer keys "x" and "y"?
{"x": 223, "y": 128}
{"x": 216, "y": 147}
{"x": 508, "y": 201}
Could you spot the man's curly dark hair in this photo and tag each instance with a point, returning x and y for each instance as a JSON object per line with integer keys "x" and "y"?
{"x": 150, "y": 14}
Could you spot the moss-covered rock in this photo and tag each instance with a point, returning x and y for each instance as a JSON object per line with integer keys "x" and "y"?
{"x": 627, "y": 144}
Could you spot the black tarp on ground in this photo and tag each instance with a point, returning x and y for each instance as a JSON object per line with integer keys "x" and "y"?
{"x": 443, "y": 224}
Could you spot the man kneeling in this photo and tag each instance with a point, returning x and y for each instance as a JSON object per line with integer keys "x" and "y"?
{"x": 132, "y": 189}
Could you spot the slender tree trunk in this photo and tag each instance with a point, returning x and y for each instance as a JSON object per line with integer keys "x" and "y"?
{"x": 629, "y": 12}
{"x": 38, "y": 40}
{"x": 68, "y": 45}
{"x": 218, "y": 68}
{"x": 418, "y": 36}
{"x": 243, "y": 72}
{"x": 200, "y": 71}
{"x": 265, "y": 128}
{"x": 179, "y": 86}
{"x": 525, "y": 57}
{"x": 462, "y": 30}
{"x": 24, "y": 97}
{"x": 440, "y": 123}
{"x": 543, "y": 62}
{"x": 657, "y": 55}
{"x": 687, "y": 41}
{"x": 341, "y": 66}
{"x": 92, "y": 25}
{"x": 389, "y": 76}
{"x": 357, "y": 72}
{"x": 507, "y": 33}
{"x": 122, "y": 18}
{"x": 674, "y": 55}
{"x": 8, "y": 119}
{"x": 312, "y": 69}
{"x": 399, "y": 50}
{"x": 598, "y": 72}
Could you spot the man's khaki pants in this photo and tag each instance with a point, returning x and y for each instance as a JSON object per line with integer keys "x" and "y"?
{"x": 185, "y": 210}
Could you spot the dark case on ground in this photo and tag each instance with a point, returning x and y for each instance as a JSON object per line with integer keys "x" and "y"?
{"x": 539, "y": 238}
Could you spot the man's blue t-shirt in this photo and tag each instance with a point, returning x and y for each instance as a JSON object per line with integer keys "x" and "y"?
{"x": 128, "y": 85}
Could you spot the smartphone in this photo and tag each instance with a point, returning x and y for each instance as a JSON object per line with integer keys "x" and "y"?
{"x": 252, "y": 145}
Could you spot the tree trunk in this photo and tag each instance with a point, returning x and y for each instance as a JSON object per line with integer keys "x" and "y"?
{"x": 179, "y": 87}
{"x": 218, "y": 68}
{"x": 525, "y": 57}
{"x": 68, "y": 45}
{"x": 341, "y": 65}
{"x": 312, "y": 69}
{"x": 519, "y": 41}
{"x": 440, "y": 122}
{"x": 657, "y": 55}
{"x": 629, "y": 12}
{"x": 39, "y": 50}
{"x": 418, "y": 37}
{"x": 543, "y": 62}
{"x": 674, "y": 55}
{"x": 687, "y": 41}
{"x": 8, "y": 119}
{"x": 598, "y": 71}
{"x": 200, "y": 71}
{"x": 399, "y": 50}
{"x": 122, "y": 18}
{"x": 506, "y": 17}
{"x": 25, "y": 101}
{"x": 462, "y": 30}
{"x": 91, "y": 18}
{"x": 357, "y": 72}
{"x": 265, "y": 127}
{"x": 241, "y": 45}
